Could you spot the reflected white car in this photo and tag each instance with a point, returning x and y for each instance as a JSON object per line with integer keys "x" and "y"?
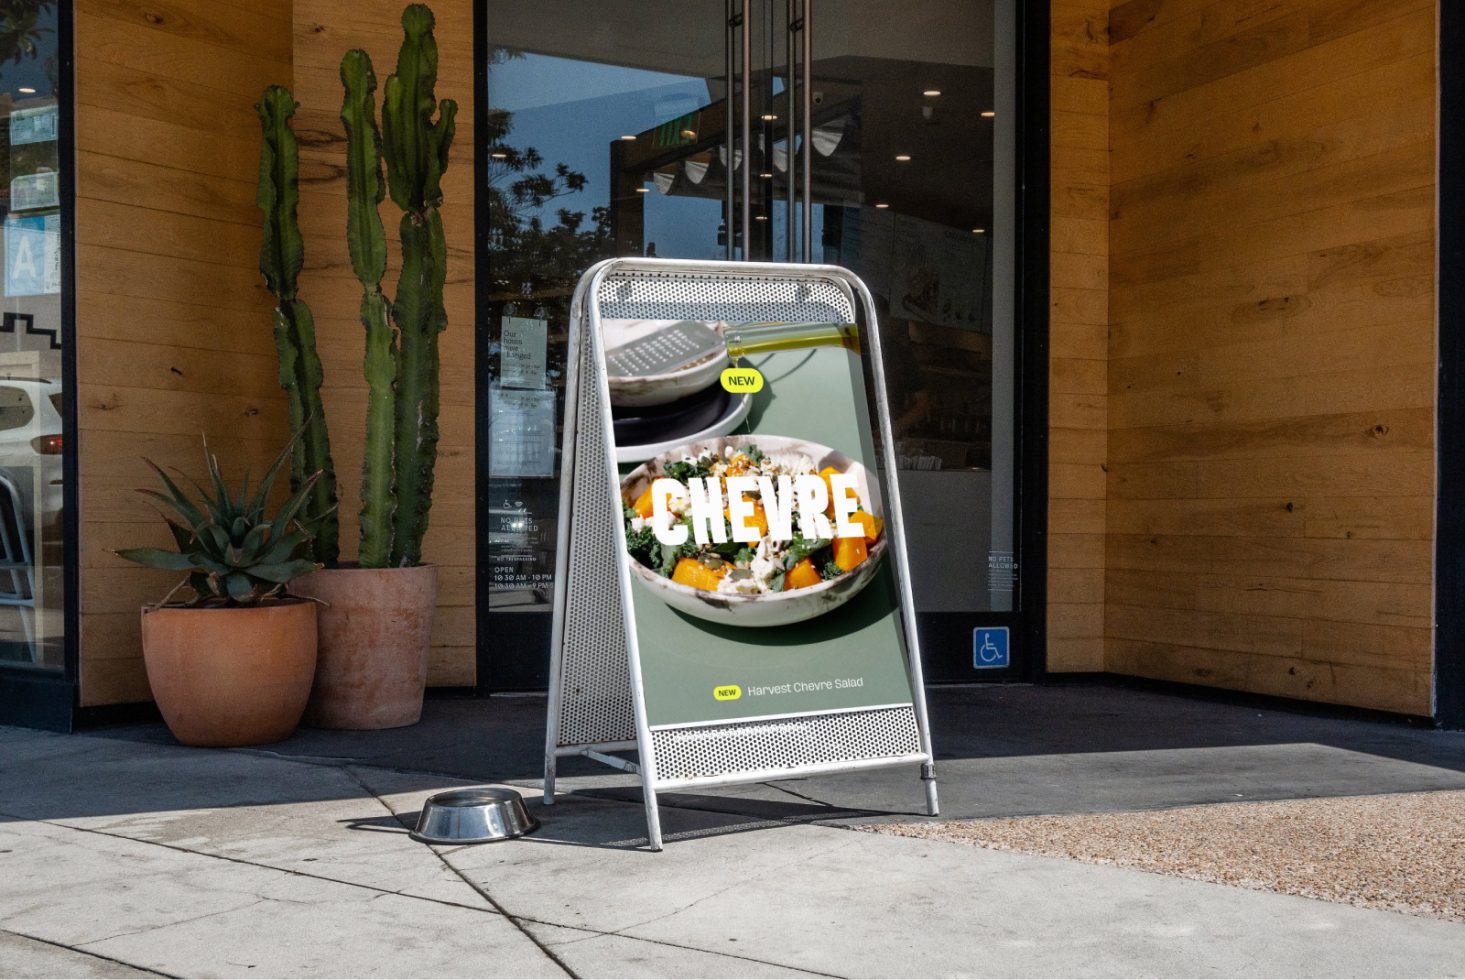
{"x": 30, "y": 454}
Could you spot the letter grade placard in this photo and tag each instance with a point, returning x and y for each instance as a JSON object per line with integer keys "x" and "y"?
{"x": 782, "y": 644}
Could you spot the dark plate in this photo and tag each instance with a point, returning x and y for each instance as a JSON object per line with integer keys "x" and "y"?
{"x": 646, "y": 424}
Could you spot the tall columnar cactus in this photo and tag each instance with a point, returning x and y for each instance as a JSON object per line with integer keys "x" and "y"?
{"x": 401, "y": 334}
{"x": 280, "y": 258}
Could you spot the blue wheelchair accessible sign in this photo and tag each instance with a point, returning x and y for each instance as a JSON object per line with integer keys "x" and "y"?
{"x": 989, "y": 647}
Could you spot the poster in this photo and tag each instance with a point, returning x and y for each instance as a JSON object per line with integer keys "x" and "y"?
{"x": 939, "y": 275}
{"x": 32, "y": 254}
{"x": 523, "y": 353}
{"x": 31, "y": 191}
{"x": 33, "y": 125}
{"x": 797, "y": 618}
{"x": 521, "y": 432}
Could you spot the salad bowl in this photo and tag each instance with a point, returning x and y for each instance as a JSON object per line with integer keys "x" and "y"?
{"x": 771, "y": 608}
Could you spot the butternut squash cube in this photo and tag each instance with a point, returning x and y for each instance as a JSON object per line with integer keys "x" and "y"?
{"x": 801, "y": 576}
{"x": 690, "y": 571}
{"x": 850, "y": 552}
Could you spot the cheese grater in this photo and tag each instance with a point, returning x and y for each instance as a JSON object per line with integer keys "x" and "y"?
{"x": 669, "y": 349}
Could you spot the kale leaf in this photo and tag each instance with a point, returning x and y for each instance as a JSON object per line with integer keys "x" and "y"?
{"x": 685, "y": 470}
{"x": 800, "y": 548}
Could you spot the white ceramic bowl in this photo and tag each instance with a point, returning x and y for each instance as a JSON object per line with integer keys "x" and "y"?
{"x": 658, "y": 389}
{"x": 774, "y": 608}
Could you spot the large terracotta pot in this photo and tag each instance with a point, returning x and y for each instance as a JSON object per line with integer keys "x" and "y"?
{"x": 374, "y": 636}
{"x": 230, "y": 676}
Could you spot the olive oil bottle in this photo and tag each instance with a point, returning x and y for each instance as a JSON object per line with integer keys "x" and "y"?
{"x": 743, "y": 339}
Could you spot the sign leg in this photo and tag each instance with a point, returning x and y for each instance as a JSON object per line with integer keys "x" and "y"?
{"x": 550, "y": 760}
{"x": 653, "y": 815}
{"x": 928, "y": 777}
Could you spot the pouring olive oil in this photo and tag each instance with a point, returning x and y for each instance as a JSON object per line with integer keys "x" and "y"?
{"x": 743, "y": 339}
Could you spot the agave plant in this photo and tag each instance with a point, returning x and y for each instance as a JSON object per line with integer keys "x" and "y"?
{"x": 234, "y": 554}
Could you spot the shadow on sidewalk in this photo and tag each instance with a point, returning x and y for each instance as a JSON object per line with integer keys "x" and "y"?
{"x": 1001, "y": 750}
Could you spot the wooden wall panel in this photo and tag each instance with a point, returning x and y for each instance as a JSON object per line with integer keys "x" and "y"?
{"x": 172, "y": 318}
{"x": 1078, "y": 402}
{"x": 323, "y": 31}
{"x": 172, "y": 326}
{"x": 1271, "y": 349}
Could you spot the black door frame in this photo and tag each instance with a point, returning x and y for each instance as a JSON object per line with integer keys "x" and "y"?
{"x": 951, "y": 632}
{"x": 43, "y": 698}
{"x": 1449, "y": 648}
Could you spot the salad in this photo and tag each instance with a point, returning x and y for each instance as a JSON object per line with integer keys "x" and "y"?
{"x": 742, "y": 568}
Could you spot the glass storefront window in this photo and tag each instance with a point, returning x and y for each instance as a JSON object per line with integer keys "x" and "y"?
{"x": 609, "y": 136}
{"x": 31, "y": 436}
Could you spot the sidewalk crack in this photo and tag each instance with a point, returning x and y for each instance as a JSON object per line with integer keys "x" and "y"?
{"x": 84, "y": 952}
{"x": 167, "y": 925}
{"x": 598, "y": 934}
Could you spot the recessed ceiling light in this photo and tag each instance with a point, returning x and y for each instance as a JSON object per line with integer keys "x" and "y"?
{"x": 979, "y": 231}
{"x": 760, "y": 217}
{"x": 499, "y": 156}
{"x": 629, "y": 138}
{"x": 988, "y": 114}
{"x": 766, "y": 176}
{"x": 27, "y": 90}
{"x": 931, "y": 93}
{"x": 689, "y": 134}
{"x": 768, "y": 117}
{"x": 903, "y": 157}
{"x": 882, "y": 205}
{"x": 643, "y": 190}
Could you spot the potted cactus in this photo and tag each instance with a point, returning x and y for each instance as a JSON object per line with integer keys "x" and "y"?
{"x": 233, "y": 665}
{"x": 376, "y": 621}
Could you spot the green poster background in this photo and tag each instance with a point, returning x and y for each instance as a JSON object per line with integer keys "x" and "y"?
{"x": 852, "y": 657}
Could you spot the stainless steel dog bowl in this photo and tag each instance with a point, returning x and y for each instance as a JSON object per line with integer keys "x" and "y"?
{"x": 473, "y": 816}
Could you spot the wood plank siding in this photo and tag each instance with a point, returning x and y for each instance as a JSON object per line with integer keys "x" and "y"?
{"x": 173, "y": 330}
{"x": 172, "y": 321}
{"x": 1078, "y": 398}
{"x": 1271, "y": 355}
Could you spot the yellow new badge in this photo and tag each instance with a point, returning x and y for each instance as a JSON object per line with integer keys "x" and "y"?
{"x": 742, "y": 381}
{"x": 727, "y": 692}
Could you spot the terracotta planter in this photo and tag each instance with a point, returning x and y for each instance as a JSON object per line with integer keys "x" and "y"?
{"x": 374, "y": 635}
{"x": 230, "y": 676}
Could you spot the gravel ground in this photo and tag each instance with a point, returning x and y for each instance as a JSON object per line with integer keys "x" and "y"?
{"x": 1403, "y": 852}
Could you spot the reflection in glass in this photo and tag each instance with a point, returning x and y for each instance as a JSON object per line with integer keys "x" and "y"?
{"x": 31, "y": 600}
{"x": 609, "y": 137}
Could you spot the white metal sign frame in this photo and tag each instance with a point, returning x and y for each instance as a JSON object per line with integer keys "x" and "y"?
{"x": 596, "y": 703}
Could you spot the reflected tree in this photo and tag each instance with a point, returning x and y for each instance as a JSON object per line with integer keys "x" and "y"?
{"x": 530, "y": 240}
{"x": 23, "y": 25}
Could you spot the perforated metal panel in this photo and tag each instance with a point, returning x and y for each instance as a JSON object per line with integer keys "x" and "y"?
{"x": 704, "y": 296}
{"x": 595, "y": 678}
{"x": 764, "y": 747}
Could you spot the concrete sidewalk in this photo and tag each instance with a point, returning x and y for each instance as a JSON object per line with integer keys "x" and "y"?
{"x": 127, "y": 856}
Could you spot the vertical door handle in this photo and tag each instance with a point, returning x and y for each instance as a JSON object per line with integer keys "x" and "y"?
{"x": 747, "y": 128}
{"x": 791, "y": 125}
{"x": 806, "y": 114}
{"x": 729, "y": 122}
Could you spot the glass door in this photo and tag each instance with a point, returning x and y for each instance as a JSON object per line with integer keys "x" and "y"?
{"x": 833, "y": 131}
{"x": 37, "y": 682}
